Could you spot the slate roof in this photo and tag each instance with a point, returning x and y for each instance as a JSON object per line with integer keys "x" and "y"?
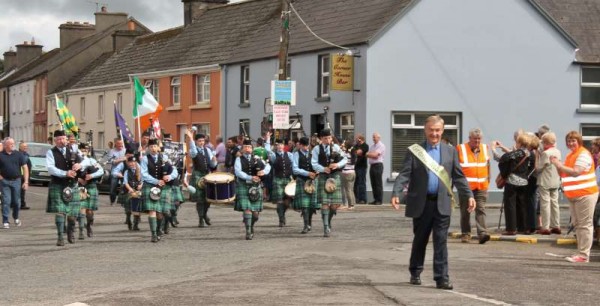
{"x": 246, "y": 31}
{"x": 89, "y": 68}
{"x": 581, "y": 20}
{"x": 10, "y": 80}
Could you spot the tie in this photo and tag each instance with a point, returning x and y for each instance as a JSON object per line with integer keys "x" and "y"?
{"x": 63, "y": 151}
{"x": 155, "y": 159}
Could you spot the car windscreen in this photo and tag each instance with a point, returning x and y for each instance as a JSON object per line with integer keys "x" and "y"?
{"x": 37, "y": 150}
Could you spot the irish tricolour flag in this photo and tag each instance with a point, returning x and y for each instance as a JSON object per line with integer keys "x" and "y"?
{"x": 145, "y": 106}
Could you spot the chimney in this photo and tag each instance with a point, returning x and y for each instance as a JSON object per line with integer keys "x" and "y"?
{"x": 27, "y": 52}
{"x": 193, "y": 9}
{"x": 105, "y": 20}
{"x": 73, "y": 31}
{"x": 121, "y": 38}
{"x": 10, "y": 60}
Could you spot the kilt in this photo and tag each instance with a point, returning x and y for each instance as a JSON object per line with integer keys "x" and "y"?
{"x": 177, "y": 194}
{"x": 242, "y": 202}
{"x": 162, "y": 205}
{"x": 92, "y": 201}
{"x": 131, "y": 204}
{"x": 123, "y": 198}
{"x": 278, "y": 189}
{"x": 55, "y": 203}
{"x": 325, "y": 198}
{"x": 303, "y": 199}
{"x": 200, "y": 195}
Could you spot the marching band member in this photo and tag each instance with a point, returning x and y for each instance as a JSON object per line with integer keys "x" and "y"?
{"x": 132, "y": 182}
{"x": 302, "y": 168}
{"x": 328, "y": 160}
{"x": 88, "y": 177}
{"x": 249, "y": 170}
{"x": 158, "y": 175}
{"x": 203, "y": 160}
{"x": 117, "y": 172}
{"x": 63, "y": 166}
{"x": 282, "y": 172}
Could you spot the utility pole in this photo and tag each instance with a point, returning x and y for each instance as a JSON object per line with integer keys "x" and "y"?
{"x": 284, "y": 40}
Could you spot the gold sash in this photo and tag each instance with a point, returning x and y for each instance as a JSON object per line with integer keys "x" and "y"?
{"x": 436, "y": 168}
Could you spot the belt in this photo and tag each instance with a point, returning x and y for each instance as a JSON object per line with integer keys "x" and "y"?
{"x": 432, "y": 197}
{"x": 12, "y": 179}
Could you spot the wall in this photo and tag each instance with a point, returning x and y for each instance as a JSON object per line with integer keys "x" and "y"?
{"x": 499, "y": 64}
{"x": 21, "y": 108}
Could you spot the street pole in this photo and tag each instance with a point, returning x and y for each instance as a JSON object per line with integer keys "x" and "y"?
{"x": 284, "y": 42}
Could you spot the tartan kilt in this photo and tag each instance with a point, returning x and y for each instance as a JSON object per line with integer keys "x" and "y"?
{"x": 325, "y": 198}
{"x": 303, "y": 199}
{"x": 278, "y": 189}
{"x": 92, "y": 201}
{"x": 177, "y": 194}
{"x": 55, "y": 203}
{"x": 123, "y": 197}
{"x": 200, "y": 195}
{"x": 133, "y": 205}
{"x": 242, "y": 202}
{"x": 162, "y": 205}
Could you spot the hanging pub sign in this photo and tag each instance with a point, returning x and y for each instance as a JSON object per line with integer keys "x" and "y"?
{"x": 283, "y": 92}
{"x": 342, "y": 72}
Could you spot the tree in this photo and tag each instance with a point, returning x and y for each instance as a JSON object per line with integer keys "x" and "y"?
{"x": 1, "y": 65}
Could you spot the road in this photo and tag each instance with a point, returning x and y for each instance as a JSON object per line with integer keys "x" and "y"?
{"x": 365, "y": 262}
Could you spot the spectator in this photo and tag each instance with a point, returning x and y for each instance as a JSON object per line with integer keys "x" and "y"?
{"x": 360, "y": 149}
{"x": 548, "y": 183}
{"x": 221, "y": 153}
{"x": 110, "y": 145}
{"x": 14, "y": 175}
{"x": 23, "y": 149}
{"x": 116, "y": 156}
{"x": 579, "y": 185}
{"x": 348, "y": 174}
{"x": 375, "y": 157}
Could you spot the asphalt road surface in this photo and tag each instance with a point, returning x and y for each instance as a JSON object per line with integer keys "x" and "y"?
{"x": 365, "y": 262}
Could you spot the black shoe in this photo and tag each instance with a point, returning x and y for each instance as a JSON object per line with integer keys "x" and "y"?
{"x": 373, "y": 203}
{"x": 207, "y": 221}
{"x": 154, "y": 238}
{"x": 483, "y": 238}
{"x": 361, "y": 202}
{"x": 327, "y": 232}
{"x": 415, "y": 280}
{"x": 201, "y": 222}
{"x": 70, "y": 233}
{"x": 135, "y": 226}
{"x": 249, "y": 236}
{"x": 446, "y": 285}
{"x": 88, "y": 228}
{"x": 305, "y": 230}
{"x": 281, "y": 224}
{"x": 25, "y": 207}
{"x": 81, "y": 237}
{"x": 60, "y": 242}
{"x": 377, "y": 203}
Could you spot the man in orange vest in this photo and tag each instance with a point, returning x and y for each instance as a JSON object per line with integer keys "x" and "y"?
{"x": 474, "y": 159}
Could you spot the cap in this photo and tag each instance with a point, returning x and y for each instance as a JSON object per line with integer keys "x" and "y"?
{"x": 304, "y": 141}
{"x": 153, "y": 142}
{"x": 247, "y": 142}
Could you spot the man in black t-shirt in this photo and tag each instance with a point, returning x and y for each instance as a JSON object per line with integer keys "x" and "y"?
{"x": 360, "y": 149}
{"x": 13, "y": 171}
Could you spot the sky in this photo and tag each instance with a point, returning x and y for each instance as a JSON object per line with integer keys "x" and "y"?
{"x": 23, "y": 20}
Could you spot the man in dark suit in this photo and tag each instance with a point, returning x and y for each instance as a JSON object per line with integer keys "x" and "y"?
{"x": 429, "y": 202}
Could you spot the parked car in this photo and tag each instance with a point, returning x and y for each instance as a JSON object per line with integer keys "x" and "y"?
{"x": 37, "y": 156}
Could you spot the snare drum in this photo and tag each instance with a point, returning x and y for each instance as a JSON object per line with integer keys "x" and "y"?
{"x": 290, "y": 189}
{"x": 219, "y": 187}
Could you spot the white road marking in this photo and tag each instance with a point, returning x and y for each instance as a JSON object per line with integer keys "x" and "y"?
{"x": 473, "y": 296}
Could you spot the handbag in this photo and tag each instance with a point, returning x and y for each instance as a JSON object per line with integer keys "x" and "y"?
{"x": 500, "y": 181}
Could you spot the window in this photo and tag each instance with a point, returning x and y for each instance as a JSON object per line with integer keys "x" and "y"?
{"x": 175, "y": 83}
{"x": 589, "y": 132}
{"x": 407, "y": 129}
{"x": 82, "y": 109}
{"x": 100, "y": 144}
{"x": 346, "y": 126}
{"x": 203, "y": 88}
{"x": 244, "y": 126}
{"x": 101, "y": 107}
{"x": 324, "y": 78}
{"x": 202, "y": 128}
{"x": 245, "y": 92}
{"x": 590, "y": 87}
{"x": 120, "y": 102}
{"x": 152, "y": 87}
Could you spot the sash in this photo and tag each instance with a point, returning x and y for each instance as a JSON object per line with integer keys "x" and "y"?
{"x": 434, "y": 167}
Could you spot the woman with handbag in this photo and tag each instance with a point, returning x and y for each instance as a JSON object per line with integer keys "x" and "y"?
{"x": 581, "y": 189}
{"x": 514, "y": 169}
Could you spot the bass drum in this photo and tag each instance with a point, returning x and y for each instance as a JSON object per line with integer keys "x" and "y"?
{"x": 219, "y": 187}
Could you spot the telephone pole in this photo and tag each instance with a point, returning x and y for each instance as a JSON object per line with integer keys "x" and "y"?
{"x": 284, "y": 40}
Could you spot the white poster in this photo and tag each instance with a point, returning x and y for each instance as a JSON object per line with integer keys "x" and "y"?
{"x": 281, "y": 116}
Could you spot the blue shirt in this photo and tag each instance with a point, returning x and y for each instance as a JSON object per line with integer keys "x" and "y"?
{"x": 10, "y": 164}
{"x": 328, "y": 149}
{"x": 243, "y": 175}
{"x": 433, "y": 182}
{"x": 50, "y": 163}
{"x": 194, "y": 150}
{"x": 296, "y": 163}
{"x": 146, "y": 177}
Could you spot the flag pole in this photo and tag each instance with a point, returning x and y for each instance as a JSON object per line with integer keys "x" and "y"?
{"x": 139, "y": 126}
{"x": 57, "y": 114}
{"x": 118, "y": 129}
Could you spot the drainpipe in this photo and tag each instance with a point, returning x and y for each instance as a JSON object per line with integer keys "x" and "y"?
{"x": 224, "y": 102}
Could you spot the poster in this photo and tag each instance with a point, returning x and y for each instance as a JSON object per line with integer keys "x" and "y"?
{"x": 281, "y": 116}
{"x": 283, "y": 92}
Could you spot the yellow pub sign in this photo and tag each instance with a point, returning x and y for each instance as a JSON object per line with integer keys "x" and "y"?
{"x": 342, "y": 72}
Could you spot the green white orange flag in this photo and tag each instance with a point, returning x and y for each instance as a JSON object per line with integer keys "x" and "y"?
{"x": 66, "y": 118}
{"x": 145, "y": 103}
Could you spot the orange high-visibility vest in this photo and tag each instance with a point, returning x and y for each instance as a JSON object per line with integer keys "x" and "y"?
{"x": 475, "y": 167}
{"x": 582, "y": 185}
